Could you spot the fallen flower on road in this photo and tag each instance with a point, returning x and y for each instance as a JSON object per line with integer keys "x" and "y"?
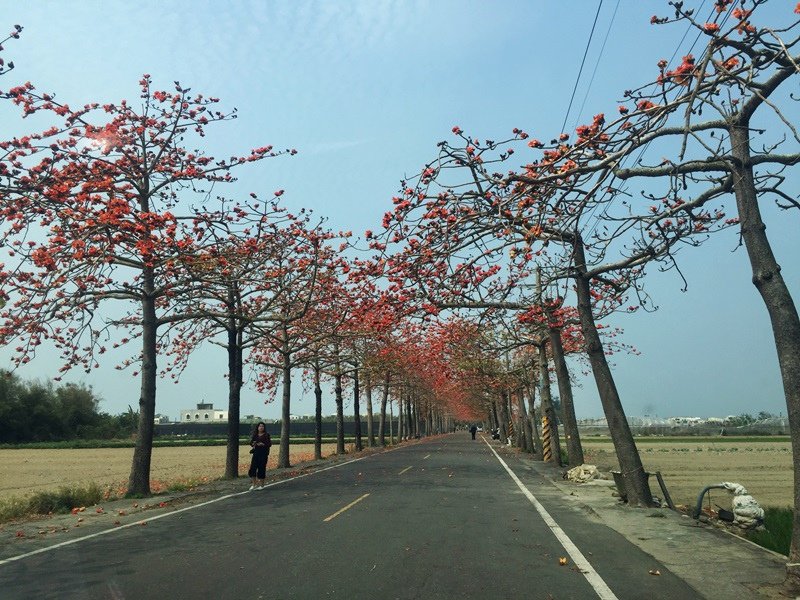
{"x": 563, "y": 561}
{"x": 654, "y": 572}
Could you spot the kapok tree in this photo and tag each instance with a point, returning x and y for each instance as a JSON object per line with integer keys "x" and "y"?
{"x": 380, "y": 328}
{"x": 720, "y": 121}
{"x": 231, "y": 292}
{"x": 458, "y": 219}
{"x": 5, "y": 67}
{"x": 298, "y": 272}
{"x": 108, "y": 220}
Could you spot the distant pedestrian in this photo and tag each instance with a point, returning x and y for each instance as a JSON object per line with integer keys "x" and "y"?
{"x": 473, "y": 430}
{"x": 260, "y": 443}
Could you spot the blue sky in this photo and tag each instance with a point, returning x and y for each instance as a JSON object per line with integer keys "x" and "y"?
{"x": 364, "y": 90}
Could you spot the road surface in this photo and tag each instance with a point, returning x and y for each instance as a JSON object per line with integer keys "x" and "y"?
{"x": 446, "y": 517}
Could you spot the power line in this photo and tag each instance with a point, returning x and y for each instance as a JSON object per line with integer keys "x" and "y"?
{"x": 583, "y": 61}
{"x": 596, "y": 64}
{"x": 644, "y": 149}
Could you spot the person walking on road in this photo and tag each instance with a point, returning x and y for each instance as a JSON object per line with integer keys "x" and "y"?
{"x": 260, "y": 443}
{"x": 473, "y": 430}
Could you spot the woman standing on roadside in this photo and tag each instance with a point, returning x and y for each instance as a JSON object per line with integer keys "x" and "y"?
{"x": 260, "y": 443}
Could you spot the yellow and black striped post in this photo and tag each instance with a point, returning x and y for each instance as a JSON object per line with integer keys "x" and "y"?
{"x": 547, "y": 451}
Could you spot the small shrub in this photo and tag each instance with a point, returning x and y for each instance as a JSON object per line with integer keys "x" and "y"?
{"x": 13, "y": 508}
{"x": 62, "y": 500}
{"x": 65, "y": 499}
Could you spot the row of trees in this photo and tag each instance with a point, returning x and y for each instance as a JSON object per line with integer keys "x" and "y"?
{"x": 42, "y": 412}
{"x": 115, "y": 236}
{"x": 488, "y": 272}
{"x": 473, "y": 230}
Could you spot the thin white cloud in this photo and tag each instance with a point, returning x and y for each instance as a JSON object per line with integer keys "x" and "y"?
{"x": 323, "y": 147}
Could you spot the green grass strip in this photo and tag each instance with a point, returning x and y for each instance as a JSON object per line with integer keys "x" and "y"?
{"x": 777, "y": 533}
{"x": 62, "y": 500}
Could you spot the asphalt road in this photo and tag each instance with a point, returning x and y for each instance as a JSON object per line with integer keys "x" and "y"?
{"x": 443, "y": 518}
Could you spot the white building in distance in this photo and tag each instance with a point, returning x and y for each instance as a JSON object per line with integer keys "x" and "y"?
{"x": 204, "y": 413}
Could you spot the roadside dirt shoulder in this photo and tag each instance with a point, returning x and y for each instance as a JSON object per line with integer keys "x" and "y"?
{"x": 715, "y": 563}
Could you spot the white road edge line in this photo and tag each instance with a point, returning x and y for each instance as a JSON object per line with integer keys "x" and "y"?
{"x": 164, "y": 515}
{"x": 600, "y": 586}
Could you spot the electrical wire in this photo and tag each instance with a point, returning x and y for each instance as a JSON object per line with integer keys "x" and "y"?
{"x": 626, "y": 158}
{"x": 596, "y": 64}
{"x": 583, "y": 61}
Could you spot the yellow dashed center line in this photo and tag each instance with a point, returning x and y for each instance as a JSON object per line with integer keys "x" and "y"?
{"x": 341, "y": 510}
{"x": 404, "y": 470}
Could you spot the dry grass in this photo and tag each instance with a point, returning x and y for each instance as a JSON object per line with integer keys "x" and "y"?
{"x": 24, "y": 472}
{"x": 764, "y": 468}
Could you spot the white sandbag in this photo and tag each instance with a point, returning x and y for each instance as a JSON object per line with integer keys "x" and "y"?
{"x": 582, "y": 473}
{"x": 747, "y": 512}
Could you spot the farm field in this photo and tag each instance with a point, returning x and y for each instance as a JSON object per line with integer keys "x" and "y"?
{"x": 23, "y": 472}
{"x": 763, "y": 467}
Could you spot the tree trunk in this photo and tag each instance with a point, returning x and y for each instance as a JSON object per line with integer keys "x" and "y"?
{"x": 535, "y": 439}
{"x": 400, "y": 419}
{"x": 574, "y": 448}
{"x": 633, "y": 473}
{"x": 770, "y": 284}
{"x": 235, "y": 376}
{"x": 502, "y": 415}
{"x": 409, "y": 423}
{"x": 357, "y": 409}
{"x": 317, "y": 412}
{"x": 370, "y": 430}
{"x": 139, "y": 480}
{"x": 525, "y": 426}
{"x": 382, "y": 424}
{"x": 550, "y": 439}
{"x": 283, "y": 457}
{"x": 391, "y": 423}
{"x": 337, "y": 388}
{"x": 513, "y": 433}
